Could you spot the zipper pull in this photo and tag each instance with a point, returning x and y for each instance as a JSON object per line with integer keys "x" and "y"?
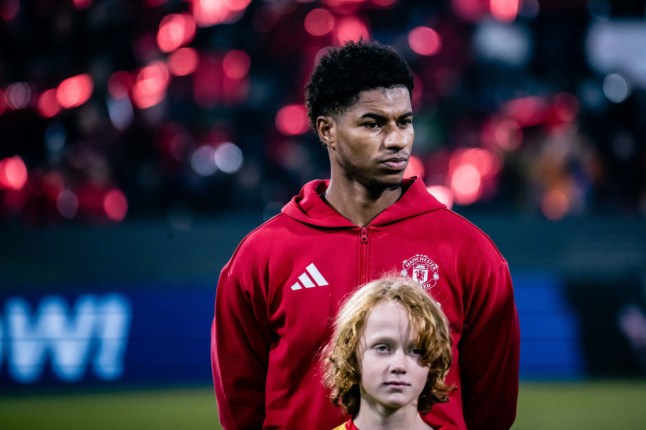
{"x": 364, "y": 234}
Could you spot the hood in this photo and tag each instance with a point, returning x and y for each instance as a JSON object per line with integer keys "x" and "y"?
{"x": 308, "y": 206}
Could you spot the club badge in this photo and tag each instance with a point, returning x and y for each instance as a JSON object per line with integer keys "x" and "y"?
{"x": 421, "y": 269}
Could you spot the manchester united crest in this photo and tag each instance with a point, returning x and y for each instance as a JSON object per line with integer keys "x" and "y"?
{"x": 421, "y": 269}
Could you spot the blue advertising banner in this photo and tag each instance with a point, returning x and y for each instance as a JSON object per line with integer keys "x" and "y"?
{"x": 135, "y": 335}
{"x": 160, "y": 333}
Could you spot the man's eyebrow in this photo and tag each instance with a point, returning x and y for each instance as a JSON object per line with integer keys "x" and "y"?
{"x": 379, "y": 116}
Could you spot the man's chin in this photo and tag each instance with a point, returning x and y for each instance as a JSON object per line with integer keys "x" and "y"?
{"x": 390, "y": 183}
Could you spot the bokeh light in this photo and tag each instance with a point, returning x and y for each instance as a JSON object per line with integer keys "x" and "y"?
{"x": 13, "y": 173}
{"x": 203, "y": 161}
{"x": 472, "y": 173}
{"x": 67, "y": 204}
{"x": 150, "y": 85}
{"x": 504, "y": 10}
{"x": 466, "y": 184}
{"x": 18, "y": 95}
{"x": 555, "y": 204}
{"x": 75, "y": 91}
{"x": 120, "y": 83}
{"x": 48, "y": 105}
{"x": 424, "y": 41}
{"x": 228, "y": 157}
{"x": 115, "y": 205}
{"x": 183, "y": 62}
{"x": 236, "y": 64}
{"x": 175, "y": 31}
{"x": 351, "y": 28}
{"x": 442, "y": 194}
{"x": 502, "y": 132}
{"x": 319, "y": 22}
{"x": 292, "y": 120}
{"x": 616, "y": 88}
{"x": 415, "y": 167}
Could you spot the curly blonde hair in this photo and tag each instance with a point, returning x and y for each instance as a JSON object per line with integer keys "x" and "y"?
{"x": 342, "y": 374}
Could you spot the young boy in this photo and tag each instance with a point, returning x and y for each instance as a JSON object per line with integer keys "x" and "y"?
{"x": 389, "y": 356}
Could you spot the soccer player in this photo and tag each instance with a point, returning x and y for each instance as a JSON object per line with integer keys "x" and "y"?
{"x": 389, "y": 356}
{"x": 284, "y": 283}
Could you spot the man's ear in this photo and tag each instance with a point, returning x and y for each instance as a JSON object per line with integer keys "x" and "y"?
{"x": 325, "y": 128}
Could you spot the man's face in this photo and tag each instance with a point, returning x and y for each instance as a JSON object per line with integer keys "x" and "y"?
{"x": 372, "y": 139}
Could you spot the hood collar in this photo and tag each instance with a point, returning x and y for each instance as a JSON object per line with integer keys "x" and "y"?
{"x": 309, "y": 207}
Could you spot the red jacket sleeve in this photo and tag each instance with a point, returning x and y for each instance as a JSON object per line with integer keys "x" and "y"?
{"x": 240, "y": 342}
{"x": 489, "y": 354}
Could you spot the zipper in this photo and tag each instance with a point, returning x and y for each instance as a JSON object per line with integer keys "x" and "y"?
{"x": 363, "y": 255}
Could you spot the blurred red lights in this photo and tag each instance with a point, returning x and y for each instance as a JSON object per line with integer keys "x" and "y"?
{"x": 183, "y": 62}
{"x": 150, "y": 85}
{"x": 175, "y": 31}
{"x": 115, "y": 205}
{"x": 504, "y": 10}
{"x": 319, "y": 22}
{"x": 212, "y": 12}
{"x": 471, "y": 173}
{"x": 528, "y": 111}
{"x": 82, "y": 4}
{"x": 13, "y": 173}
{"x": 566, "y": 108}
{"x": 292, "y": 120}
{"x": 235, "y": 64}
{"x": 384, "y": 3}
{"x": 466, "y": 184}
{"x": 503, "y": 133}
{"x": 9, "y": 9}
{"x": 442, "y": 194}
{"x": 74, "y": 91}
{"x": 424, "y": 41}
{"x": 471, "y": 10}
{"x": 351, "y": 28}
{"x": 119, "y": 84}
{"x": 415, "y": 167}
{"x": 237, "y": 5}
{"x": 47, "y": 104}
{"x": 209, "y": 12}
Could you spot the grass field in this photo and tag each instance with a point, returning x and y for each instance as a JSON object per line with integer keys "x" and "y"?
{"x": 572, "y": 406}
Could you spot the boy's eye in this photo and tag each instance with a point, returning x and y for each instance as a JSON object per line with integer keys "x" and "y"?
{"x": 407, "y": 121}
{"x": 382, "y": 348}
{"x": 416, "y": 351}
{"x": 371, "y": 125}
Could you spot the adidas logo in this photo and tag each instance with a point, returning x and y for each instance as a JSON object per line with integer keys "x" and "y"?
{"x": 306, "y": 281}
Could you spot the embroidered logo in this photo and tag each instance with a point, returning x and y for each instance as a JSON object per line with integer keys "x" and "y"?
{"x": 421, "y": 269}
{"x": 310, "y": 278}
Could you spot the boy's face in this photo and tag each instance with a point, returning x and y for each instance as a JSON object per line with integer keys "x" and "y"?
{"x": 371, "y": 141}
{"x": 392, "y": 373}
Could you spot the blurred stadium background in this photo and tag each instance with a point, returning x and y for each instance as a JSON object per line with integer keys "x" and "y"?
{"x": 140, "y": 141}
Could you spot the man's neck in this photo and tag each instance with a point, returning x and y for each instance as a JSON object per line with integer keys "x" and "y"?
{"x": 359, "y": 204}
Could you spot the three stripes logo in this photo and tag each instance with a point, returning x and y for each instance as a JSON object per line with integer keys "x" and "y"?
{"x": 310, "y": 278}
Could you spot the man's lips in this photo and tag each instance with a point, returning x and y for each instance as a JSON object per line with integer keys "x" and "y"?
{"x": 395, "y": 163}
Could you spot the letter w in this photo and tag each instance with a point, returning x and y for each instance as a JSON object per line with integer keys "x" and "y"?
{"x": 67, "y": 338}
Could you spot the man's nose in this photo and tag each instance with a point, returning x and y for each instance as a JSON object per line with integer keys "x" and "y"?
{"x": 397, "y": 138}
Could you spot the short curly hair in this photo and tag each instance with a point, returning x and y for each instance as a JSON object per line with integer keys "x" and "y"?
{"x": 340, "y": 357}
{"x": 343, "y": 72}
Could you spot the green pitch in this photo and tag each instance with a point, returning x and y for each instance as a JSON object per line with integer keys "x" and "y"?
{"x": 598, "y": 405}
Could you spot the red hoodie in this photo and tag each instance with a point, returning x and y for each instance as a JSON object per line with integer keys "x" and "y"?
{"x": 278, "y": 295}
